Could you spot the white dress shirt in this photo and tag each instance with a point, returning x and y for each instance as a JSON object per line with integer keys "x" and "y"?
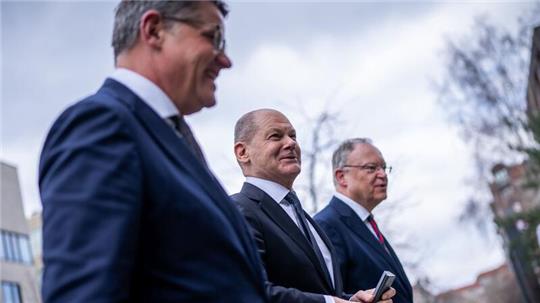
{"x": 278, "y": 192}
{"x": 147, "y": 90}
{"x": 362, "y": 213}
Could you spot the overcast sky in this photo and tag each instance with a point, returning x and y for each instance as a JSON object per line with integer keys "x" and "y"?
{"x": 373, "y": 63}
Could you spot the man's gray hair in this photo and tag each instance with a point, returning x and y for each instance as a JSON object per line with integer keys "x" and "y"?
{"x": 341, "y": 154}
{"x": 245, "y": 128}
{"x": 129, "y": 12}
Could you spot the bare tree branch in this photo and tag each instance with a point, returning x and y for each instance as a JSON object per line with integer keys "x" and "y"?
{"x": 483, "y": 92}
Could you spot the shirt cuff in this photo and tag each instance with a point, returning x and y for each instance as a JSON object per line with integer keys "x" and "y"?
{"x": 328, "y": 299}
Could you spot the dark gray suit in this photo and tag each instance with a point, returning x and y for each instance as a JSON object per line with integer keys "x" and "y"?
{"x": 293, "y": 269}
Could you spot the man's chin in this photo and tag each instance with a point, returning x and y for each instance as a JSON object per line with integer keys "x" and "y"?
{"x": 380, "y": 197}
{"x": 209, "y": 101}
{"x": 200, "y": 103}
{"x": 291, "y": 169}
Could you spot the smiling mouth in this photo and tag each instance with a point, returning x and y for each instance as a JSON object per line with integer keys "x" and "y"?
{"x": 212, "y": 74}
{"x": 290, "y": 157}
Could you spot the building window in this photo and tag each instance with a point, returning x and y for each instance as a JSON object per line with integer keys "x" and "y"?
{"x": 11, "y": 292}
{"x": 6, "y": 239}
{"x": 36, "y": 242}
{"x": 516, "y": 206}
{"x": 501, "y": 178}
{"x": 538, "y": 233}
{"x": 15, "y": 247}
{"x": 2, "y": 249}
{"x": 26, "y": 255}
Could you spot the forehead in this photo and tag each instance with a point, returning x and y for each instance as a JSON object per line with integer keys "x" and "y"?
{"x": 208, "y": 13}
{"x": 268, "y": 121}
{"x": 367, "y": 153}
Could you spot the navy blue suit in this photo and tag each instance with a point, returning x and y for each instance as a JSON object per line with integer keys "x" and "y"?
{"x": 362, "y": 259}
{"x": 131, "y": 215}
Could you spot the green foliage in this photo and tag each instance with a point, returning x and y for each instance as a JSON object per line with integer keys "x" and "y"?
{"x": 533, "y": 176}
{"x": 527, "y": 241}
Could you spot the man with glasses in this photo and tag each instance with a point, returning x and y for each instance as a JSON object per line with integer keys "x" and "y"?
{"x": 298, "y": 257}
{"x": 361, "y": 180}
{"x": 131, "y": 210}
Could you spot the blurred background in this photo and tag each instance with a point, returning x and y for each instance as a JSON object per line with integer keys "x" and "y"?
{"x": 448, "y": 91}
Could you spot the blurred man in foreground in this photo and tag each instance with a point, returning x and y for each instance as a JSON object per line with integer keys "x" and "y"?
{"x": 131, "y": 211}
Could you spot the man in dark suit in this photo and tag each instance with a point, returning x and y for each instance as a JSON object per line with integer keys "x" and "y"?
{"x": 360, "y": 179}
{"x": 131, "y": 211}
{"x": 298, "y": 257}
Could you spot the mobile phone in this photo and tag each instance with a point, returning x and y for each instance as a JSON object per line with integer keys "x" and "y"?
{"x": 386, "y": 280}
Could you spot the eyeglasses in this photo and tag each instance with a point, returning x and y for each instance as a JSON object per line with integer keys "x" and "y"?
{"x": 372, "y": 168}
{"x": 217, "y": 36}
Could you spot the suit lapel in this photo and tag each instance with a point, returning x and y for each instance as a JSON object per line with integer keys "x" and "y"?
{"x": 358, "y": 227}
{"x": 397, "y": 265}
{"x": 165, "y": 136}
{"x": 335, "y": 268}
{"x": 285, "y": 223}
{"x": 177, "y": 150}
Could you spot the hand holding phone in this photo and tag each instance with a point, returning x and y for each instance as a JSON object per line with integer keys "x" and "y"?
{"x": 385, "y": 282}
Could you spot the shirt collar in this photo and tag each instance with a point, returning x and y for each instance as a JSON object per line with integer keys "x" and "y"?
{"x": 147, "y": 90}
{"x": 274, "y": 190}
{"x": 356, "y": 207}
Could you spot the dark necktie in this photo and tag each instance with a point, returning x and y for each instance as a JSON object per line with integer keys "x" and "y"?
{"x": 184, "y": 132}
{"x": 373, "y": 224}
{"x": 295, "y": 202}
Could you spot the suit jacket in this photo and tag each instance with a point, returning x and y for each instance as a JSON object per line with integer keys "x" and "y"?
{"x": 131, "y": 215}
{"x": 362, "y": 259}
{"x": 293, "y": 270}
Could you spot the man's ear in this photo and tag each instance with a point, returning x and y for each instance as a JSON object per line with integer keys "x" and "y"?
{"x": 241, "y": 152}
{"x": 339, "y": 176}
{"x": 151, "y": 29}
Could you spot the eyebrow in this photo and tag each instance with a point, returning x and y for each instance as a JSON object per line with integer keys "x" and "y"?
{"x": 274, "y": 129}
{"x": 374, "y": 163}
{"x": 281, "y": 130}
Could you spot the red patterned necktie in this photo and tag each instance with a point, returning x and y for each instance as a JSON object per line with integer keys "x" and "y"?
{"x": 371, "y": 221}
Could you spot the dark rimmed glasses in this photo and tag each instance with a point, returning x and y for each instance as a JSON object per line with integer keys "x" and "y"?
{"x": 217, "y": 36}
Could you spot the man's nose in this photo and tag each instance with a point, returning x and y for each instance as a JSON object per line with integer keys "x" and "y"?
{"x": 381, "y": 172}
{"x": 223, "y": 60}
{"x": 290, "y": 142}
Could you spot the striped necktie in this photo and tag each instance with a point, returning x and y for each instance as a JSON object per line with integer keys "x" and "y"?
{"x": 304, "y": 227}
{"x": 182, "y": 130}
